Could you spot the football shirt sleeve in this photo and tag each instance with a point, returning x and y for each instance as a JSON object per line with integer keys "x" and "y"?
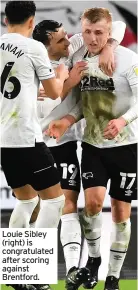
{"x": 41, "y": 62}
{"x": 76, "y": 111}
{"x": 118, "y": 30}
{"x": 44, "y": 108}
{"x": 132, "y": 76}
{"x": 76, "y": 42}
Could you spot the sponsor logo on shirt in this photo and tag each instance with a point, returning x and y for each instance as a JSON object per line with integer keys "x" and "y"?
{"x": 136, "y": 71}
{"x": 90, "y": 83}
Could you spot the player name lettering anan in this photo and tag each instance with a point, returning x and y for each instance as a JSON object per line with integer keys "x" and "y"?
{"x": 14, "y": 49}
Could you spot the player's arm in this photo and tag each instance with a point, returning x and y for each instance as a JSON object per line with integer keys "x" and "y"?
{"x": 52, "y": 85}
{"x": 118, "y": 31}
{"x": 131, "y": 75}
{"x": 76, "y": 42}
{"x": 132, "y": 114}
{"x": 106, "y": 57}
{"x": 57, "y": 128}
{"x": 76, "y": 113}
{"x": 45, "y": 107}
{"x": 116, "y": 125}
{"x": 74, "y": 78}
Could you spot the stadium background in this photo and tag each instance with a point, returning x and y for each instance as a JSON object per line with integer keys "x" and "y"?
{"x": 68, "y": 12}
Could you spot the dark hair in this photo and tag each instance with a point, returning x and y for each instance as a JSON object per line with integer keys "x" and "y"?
{"x": 17, "y": 12}
{"x": 43, "y": 29}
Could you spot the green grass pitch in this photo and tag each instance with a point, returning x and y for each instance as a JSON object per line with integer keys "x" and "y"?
{"x": 124, "y": 285}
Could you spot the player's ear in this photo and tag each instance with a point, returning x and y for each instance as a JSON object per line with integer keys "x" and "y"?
{"x": 31, "y": 22}
{"x": 6, "y": 21}
{"x": 110, "y": 30}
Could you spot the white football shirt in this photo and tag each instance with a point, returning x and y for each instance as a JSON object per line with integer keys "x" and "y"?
{"x": 24, "y": 62}
{"x": 106, "y": 98}
{"x": 58, "y": 111}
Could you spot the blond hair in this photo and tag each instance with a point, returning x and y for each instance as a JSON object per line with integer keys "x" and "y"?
{"x": 96, "y": 14}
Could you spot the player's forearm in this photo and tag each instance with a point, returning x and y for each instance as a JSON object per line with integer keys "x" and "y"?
{"x": 60, "y": 84}
{"x": 53, "y": 88}
{"x": 74, "y": 116}
{"x": 66, "y": 88}
{"x": 132, "y": 113}
{"x": 112, "y": 43}
{"x": 68, "y": 121}
{"x": 118, "y": 31}
{"x": 77, "y": 111}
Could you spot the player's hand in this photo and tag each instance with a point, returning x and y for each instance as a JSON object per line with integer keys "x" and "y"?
{"x": 41, "y": 95}
{"x": 76, "y": 72}
{"x": 107, "y": 60}
{"x": 57, "y": 129}
{"x": 114, "y": 127}
{"x": 62, "y": 72}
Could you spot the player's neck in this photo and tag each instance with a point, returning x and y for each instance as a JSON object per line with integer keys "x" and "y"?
{"x": 90, "y": 54}
{"x": 53, "y": 57}
{"x": 19, "y": 29}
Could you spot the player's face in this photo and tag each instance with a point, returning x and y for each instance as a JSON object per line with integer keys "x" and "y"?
{"x": 95, "y": 35}
{"x": 59, "y": 44}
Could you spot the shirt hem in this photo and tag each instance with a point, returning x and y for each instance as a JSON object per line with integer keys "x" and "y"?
{"x": 20, "y": 146}
{"x": 111, "y": 146}
{"x": 61, "y": 143}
